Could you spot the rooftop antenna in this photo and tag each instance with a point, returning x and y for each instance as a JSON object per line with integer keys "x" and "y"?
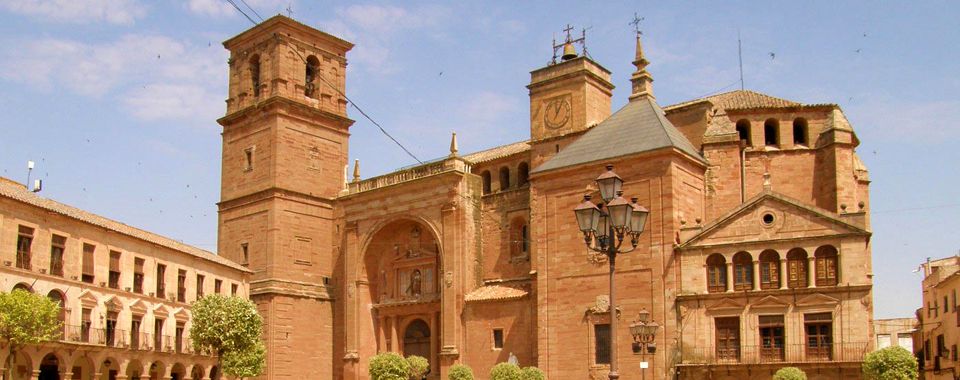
{"x": 29, "y": 170}
{"x": 740, "y": 56}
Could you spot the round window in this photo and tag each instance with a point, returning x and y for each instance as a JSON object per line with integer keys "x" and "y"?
{"x": 767, "y": 218}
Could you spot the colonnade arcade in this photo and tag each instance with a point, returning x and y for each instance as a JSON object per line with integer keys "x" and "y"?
{"x": 58, "y": 361}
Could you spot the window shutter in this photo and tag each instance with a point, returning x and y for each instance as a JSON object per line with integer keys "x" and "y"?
{"x": 114, "y": 261}
{"x": 88, "y": 259}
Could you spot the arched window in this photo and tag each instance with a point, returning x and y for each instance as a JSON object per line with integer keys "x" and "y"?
{"x": 523, "y": 174}
{"x": 797, "y": 268}
{"x": 504, "y": 178}
{"x": 519, "y": 238}
{"x": 743, "y": 131}
{"x": 826, "y": 258}
{"x": 23, "y": 287}
{"x": 486, "y": 181}
{"x": 310, "y": 75}
{"x": 255, "y": 74}
{"x": 57, "y": 298}
{"x": 799, "y": 131}
{"x": 769, "y": 269}
{"x": 742, "y": 271}
{"x": 716, "y": 273}
{"x": 771, "y": 132}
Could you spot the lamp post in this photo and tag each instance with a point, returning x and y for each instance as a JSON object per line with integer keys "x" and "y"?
{"x": 644, "y": 333}
{"x": 605, "y": 230}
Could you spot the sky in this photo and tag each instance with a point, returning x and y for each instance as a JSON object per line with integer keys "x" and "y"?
{"x": 116, "y": 100}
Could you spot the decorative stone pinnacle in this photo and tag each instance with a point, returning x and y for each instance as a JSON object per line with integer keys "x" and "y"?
{"x": 453, "y": 145}
{"x": 641, "y": 78}
{"x": 356, "y": 170}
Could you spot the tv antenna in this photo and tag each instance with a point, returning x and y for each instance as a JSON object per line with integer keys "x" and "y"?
{"x": 740, "y": 56}
{"x": 38, "y": 183}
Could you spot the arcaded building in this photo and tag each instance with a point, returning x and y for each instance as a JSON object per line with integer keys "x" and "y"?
{"x": 756, "y": 254}
{"x": 124, "y": 293}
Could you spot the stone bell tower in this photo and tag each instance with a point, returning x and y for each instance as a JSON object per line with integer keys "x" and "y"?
{"x": 566, "y": 98}
{"x": 285, "y": 138}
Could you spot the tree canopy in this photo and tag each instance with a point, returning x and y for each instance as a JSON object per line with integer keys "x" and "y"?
{"x": 891, "y": 363}
{"x": 25, "y": 319}
{"x": 231, "y": 328}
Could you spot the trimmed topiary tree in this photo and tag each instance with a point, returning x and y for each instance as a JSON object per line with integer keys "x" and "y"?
{"x": 790, "y": 373}
{"x": 891, "y": 363}
{"x": 389, "y": 366}
{"x": 230, "y": 327}
{"x": 460, "y": 372}
{"x": 533, "y": 373}
{"x": 419, "y": 366}
{"x": 506, "y": 371}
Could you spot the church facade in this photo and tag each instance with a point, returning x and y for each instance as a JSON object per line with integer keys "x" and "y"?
{"x": 756, "y": 254}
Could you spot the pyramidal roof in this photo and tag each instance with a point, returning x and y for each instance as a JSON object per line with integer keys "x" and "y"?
{"x": 640, "y": 126}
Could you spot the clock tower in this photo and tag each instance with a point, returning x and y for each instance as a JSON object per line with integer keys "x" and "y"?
{"x": 568, "y": 97}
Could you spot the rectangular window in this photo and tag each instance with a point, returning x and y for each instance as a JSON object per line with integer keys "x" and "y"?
{"x": 158, "y": 334}
{"x": 771, "y": 337}
{"x": 233, "y": 289}
{"x": 946, "y": 305}
{"x": 905, "y": 341}
{"x": 926, "y": 349}
{"x": 161, "y": 281}
{"x": 135, "y": 332}
{"x": 182, "y": 286}
{"x": 179, "y": 337}
{"x": 115, "y": 269}
{"x": 728, "y": 338}
{"x": 819, "y": 334}
{"x": 216, "y": 286}
{"x": 742, "y": 276}
{"x": 936, "y": 308}
{"x": 601, "y": 341}
{"x": 88, "y": 250}
{"x": 199, "y": 286}
{"x": 138, "y": 275}
{"x": 497, "y": 338}
{"x": 716, "y": 278}
{"x": 57, "y": 245}
{"x": 941, "y": 346}
{"x": 883, "y": 341}
{"x": 24, "y": 240}
{"x": 954, "y": 299}
{"x": 248, "y": 156}
{"x": 111, "y": 329}
{"x": 245, "y": 251}
{"x": 797, "y": 272}
{"x": 85, "y": 325}
{"x": 826, "y": 271}
{"x": 769, "y": 275}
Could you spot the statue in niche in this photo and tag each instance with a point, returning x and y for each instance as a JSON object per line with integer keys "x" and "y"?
{"x": 414, "y": 288}
{"x": 414, "y": 247}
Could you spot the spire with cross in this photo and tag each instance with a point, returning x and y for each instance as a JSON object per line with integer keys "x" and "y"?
{"x": 641, "y": 79}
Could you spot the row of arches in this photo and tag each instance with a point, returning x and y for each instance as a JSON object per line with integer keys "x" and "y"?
{"x": 58, "y": 364}
{"x": 774, "y": 272}
{"x": 312, "y": 70}
{"x": 771, "y": 132}
{"x": 523, "y": 177}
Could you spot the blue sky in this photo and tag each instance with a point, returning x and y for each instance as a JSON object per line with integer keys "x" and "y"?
{"x": 116, "y": 100}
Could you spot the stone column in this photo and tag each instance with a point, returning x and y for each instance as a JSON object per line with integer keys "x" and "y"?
{"x": 811, "y": 272}
{"x": 382, "y": 334}
{"x": 67, "y": 375}
{"x": 784, "y": 276}
{"x": 395, "y": 334}
{"x": 730, "y": 278}
{"x": 35, "y": 375}
{"x": 450, "y": 278}
{"x": 352, "y": 256}
{"x": 756, "y": 275}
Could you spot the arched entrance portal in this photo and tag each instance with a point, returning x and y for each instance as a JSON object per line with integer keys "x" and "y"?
{"x": 416, "y": 339}
{"x": 50, "y": 368}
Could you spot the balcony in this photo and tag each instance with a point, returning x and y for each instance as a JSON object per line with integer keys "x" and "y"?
{"x": 123, "y": 339}
{"x": 791, "y": 353}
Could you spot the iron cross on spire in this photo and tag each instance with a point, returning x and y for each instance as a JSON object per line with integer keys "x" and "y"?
{"x": 568, "y": 29}
{"x": 636, "y": 22}
{"x": 290, "y": 10}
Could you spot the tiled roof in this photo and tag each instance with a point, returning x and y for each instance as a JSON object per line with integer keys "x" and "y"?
{"x": 498, "y": 152}
{"x": 18, "y": 192}
{"x": 494, "y": 293}
{"x": 738, "y": 99}
{"x": 640, "y": 126}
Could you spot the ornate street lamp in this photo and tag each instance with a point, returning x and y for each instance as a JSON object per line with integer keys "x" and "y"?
{"x": 644, "y": 333}
{"x": 605, "y": 230}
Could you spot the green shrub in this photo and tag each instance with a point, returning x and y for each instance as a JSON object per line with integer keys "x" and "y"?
{"x": 790, "y": 373}
{"x": 891, "y": 363}
{"x": 419, "y": 366}
{"x": 533, "y": 373}
{"x": 506, "y": 371}
{"x": 389, "y": 366}
{"x": 460, "y": 372}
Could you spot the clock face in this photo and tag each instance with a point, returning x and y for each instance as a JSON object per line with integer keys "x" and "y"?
{"x": 557, "y": 113}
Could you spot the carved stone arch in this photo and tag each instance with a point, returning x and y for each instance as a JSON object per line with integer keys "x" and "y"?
{"x": 198, "y": 371}
{"x": 409, "y": 271}
{"x": 380, "y": 224}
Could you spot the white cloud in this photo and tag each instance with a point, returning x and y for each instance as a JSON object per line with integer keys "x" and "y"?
{"x": 221, "y": 8}
{"x": 112, "y": 11}
{"x": 373, "y": 28}
{"x": 152, "y": 77}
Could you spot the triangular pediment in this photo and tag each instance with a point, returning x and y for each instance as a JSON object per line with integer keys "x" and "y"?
{"x": 817, "y": 299}
{"x": 113, "y": 303}
{"x": 88, "y": 299}
{"x": 160, "y": 310}
{"x": 182, "y": 314}
{"x": 770, "y": 302}
{"x": 139, "y": 307}
{"x": 772, "y": 216}
{"x": 725, "y": 304}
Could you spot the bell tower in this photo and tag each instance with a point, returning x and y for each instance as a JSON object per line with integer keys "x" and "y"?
{"x": 285, "y": 138}
{"x": 568, "y": 96}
